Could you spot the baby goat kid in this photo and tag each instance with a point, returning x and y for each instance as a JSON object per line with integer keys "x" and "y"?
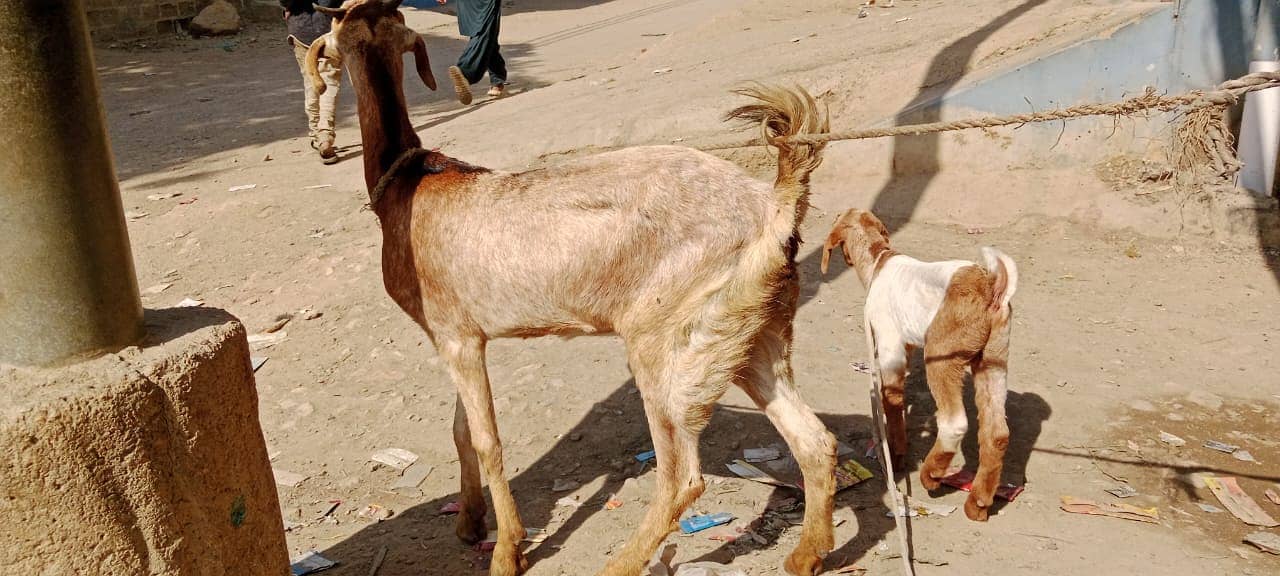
{"x": 960, "y": 313}
{"x": 681, "y": 254}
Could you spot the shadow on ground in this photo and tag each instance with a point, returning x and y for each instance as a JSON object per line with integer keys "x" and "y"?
{"x": 915, "y": 158}
{"x": 162, "y": 118}
{"x": 420, "y": 538}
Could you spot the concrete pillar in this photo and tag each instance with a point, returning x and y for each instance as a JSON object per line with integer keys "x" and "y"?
{"x": 67, "y": 284}
{"x": 1259, "y": 144}
{"x": 146, "y": 461}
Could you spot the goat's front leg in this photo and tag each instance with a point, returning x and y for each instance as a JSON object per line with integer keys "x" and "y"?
{"x": 893, "y": 379}
{"x": 465, "y": 360}
{"x": 990, "y": 392}
{"x": 470, "y": 527}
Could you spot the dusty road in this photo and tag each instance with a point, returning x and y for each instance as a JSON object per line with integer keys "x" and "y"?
{"x": 1122, "y": 331}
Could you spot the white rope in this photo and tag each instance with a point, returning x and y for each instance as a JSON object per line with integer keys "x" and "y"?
{"x": 895, "y": 498}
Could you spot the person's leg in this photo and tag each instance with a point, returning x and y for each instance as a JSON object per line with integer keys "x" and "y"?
{"x": 470, "y": 68}
{"x": 327, "y": 113}
{"x": 497, "y": 68}
{"x": 494, "y": 63}
{"x": 311, "y": 98}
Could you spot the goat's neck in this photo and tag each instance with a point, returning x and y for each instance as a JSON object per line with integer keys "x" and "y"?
{"x": 384, "y": 124}
{"x": 868, "y": 262}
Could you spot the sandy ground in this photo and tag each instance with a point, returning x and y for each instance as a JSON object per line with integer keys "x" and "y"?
{"x": 1122, "y": 330}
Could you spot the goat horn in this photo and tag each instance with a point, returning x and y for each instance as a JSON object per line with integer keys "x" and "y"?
{"x": 391, "y": 4}
{"x": 423, "y": 62}
{"x": 313, "y": 64}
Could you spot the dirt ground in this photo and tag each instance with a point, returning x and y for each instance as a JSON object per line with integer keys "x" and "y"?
{"x": 1123, "y": 330}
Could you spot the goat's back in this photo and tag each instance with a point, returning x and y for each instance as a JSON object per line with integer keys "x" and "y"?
{"x": 576, "y": 248}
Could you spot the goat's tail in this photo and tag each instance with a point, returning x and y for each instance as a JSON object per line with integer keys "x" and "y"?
{"x": 781, "y": 113}
{"x": 1004, "y": 278}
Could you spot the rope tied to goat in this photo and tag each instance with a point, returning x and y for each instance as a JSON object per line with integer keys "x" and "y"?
{"x": 1203, "y": 138}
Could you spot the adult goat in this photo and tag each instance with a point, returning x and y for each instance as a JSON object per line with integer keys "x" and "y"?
{"x": 680, "y": 253}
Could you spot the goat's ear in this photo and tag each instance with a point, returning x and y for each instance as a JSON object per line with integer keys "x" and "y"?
{"x": 335, "y": 13}
{"x": 422, "y": 62}
{"x": 834, "y": 239}
{"x": 391, "y": 4}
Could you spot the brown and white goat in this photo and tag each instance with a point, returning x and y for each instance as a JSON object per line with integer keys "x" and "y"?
{"x": 680, "y": 253}
{"x": 960, "y": 313}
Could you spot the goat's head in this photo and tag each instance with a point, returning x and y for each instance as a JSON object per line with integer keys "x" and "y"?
{"x": 862, "y": 237}
{"x": 375, "y": 27}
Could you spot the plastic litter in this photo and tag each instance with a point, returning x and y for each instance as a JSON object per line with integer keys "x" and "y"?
{"x": 694, "y": 524}
{"x": 1265, "y": 541}
{"x": 1122, "y": 491}
{"x": 1116, "y": 510}
{"x": 1238, "y": 502}
{"x": 963, "y": 480}
{"x": 1220, "y": 446}
{"x": 760, "y": 454}
{"x": 310, "y": 563}
{"x": 1172, "y": 440}
{"x": 397, "y": 458}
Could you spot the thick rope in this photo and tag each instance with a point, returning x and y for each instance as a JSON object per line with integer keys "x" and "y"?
{"x": 1226, "y": 94}
{"x": 406, "y": 159}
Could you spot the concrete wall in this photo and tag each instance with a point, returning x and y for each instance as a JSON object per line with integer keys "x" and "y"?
{"x": 149, "y": 461}
{"x": 129, "y": 19}
{"x": 136, "y": 19}
{"x": 1174, "y": 47}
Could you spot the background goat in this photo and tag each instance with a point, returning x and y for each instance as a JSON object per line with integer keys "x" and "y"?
{"x": 680, "y": 253}
{"x": 960, "y": 313}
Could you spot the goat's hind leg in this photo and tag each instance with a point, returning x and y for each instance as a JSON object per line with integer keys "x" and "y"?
{"x": 685, "y": 382}
{"x": 944, "y": 368}
{"x": 464, "y": 358}
{"x": 470, "y": 526}
{"x": 767, "y": 379}
{"x": 990, "y": 392}
{"x": 662, "y": 512}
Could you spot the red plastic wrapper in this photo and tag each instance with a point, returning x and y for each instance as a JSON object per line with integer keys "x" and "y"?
{"x": 963, "y": 480}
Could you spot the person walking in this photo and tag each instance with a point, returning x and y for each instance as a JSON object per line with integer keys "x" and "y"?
{"x": 479, "y": 20}
{"x": 305, "y": 26}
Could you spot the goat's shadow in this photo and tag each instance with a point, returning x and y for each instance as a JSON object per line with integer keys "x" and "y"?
{"x": 420, "y": 537}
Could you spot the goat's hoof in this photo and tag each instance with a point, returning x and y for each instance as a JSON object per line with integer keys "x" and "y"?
{"x": 470, "y": 529}
{"x": 934, "y": 469}
{"x": 929, "y": 482}
{"x": 508, "y": 564}
{"x": 804, "y": 561}
{"x": 975, "y": 510}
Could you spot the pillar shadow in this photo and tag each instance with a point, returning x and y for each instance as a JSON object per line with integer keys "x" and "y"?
{"x": 915, "y": 158}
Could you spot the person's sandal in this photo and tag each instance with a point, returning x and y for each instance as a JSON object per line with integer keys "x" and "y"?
{"x": 328, "y": 155}
{"x": 460, "y": 85}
